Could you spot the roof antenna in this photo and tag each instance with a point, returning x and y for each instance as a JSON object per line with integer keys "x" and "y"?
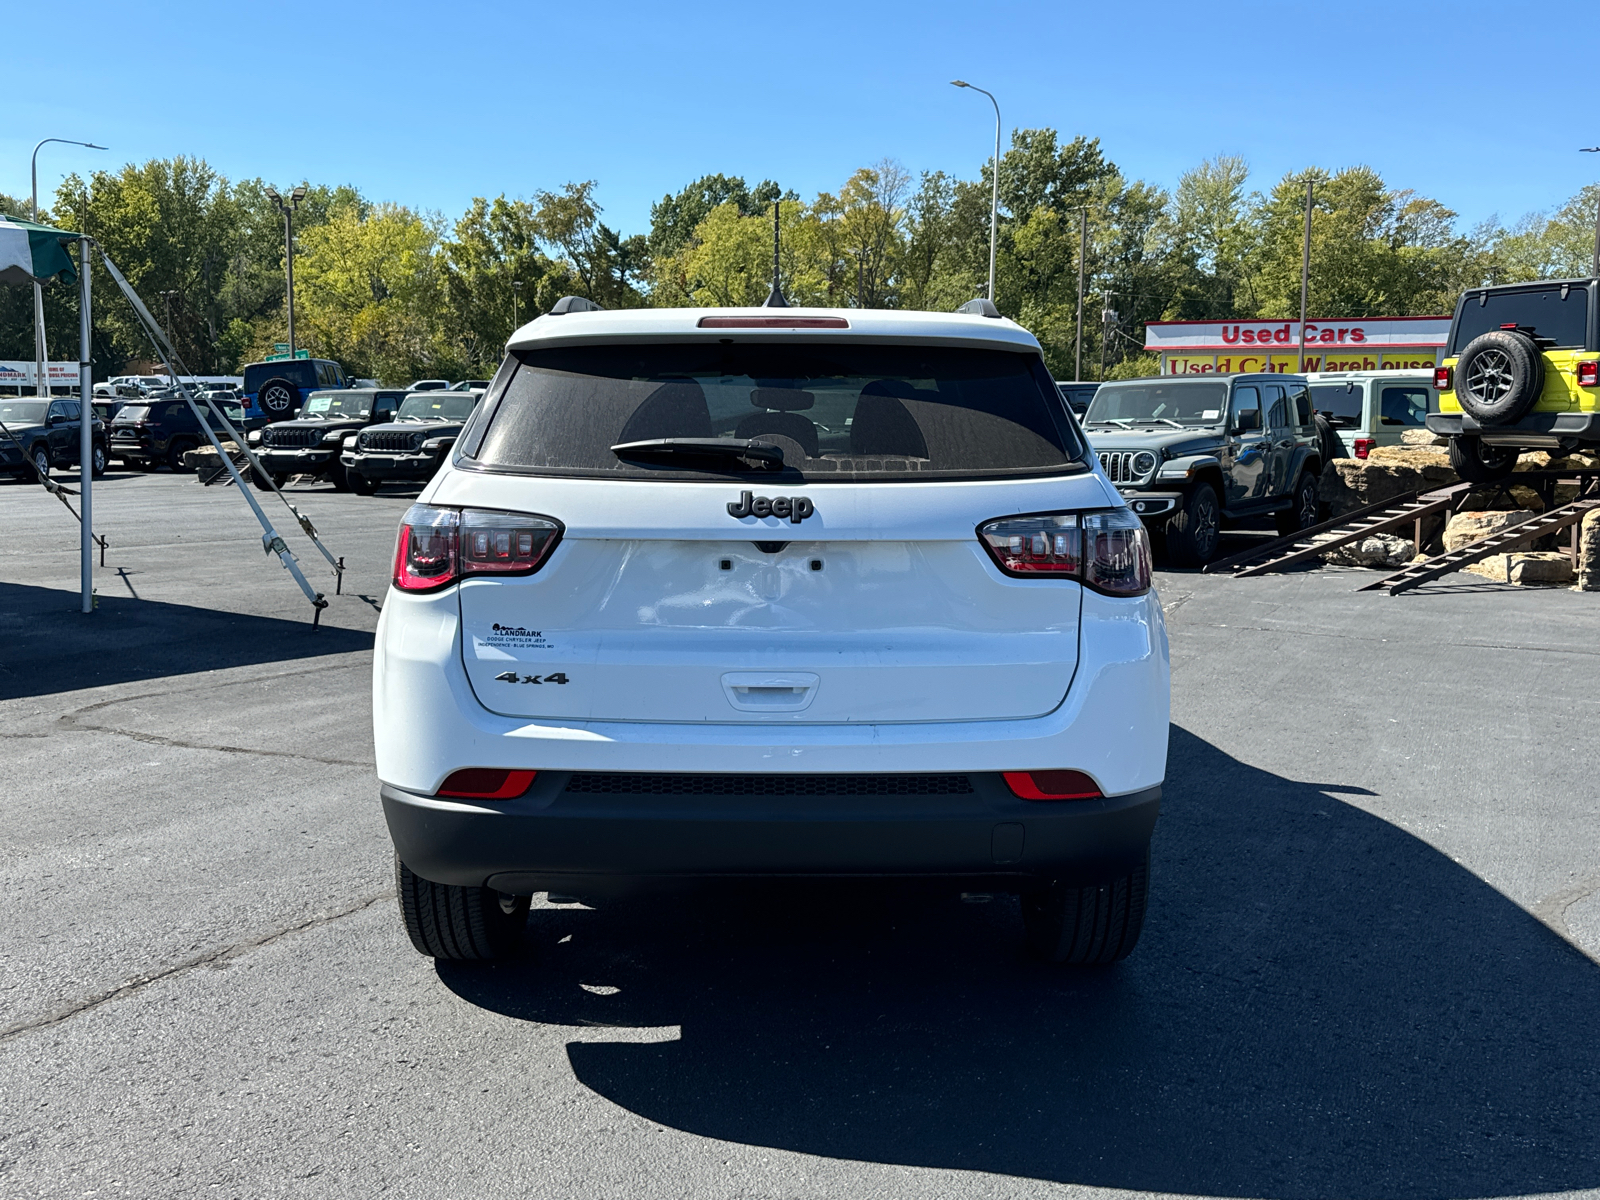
{"x": 775, "y": 298}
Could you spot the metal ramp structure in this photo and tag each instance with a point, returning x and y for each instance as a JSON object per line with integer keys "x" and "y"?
{"x": 1568, "y": 516}
{"x": 1410, "y": 508}
{"x": 1413, "y": 508}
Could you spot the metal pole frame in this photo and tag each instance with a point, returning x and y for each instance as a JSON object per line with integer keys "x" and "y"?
{"x": 288, "y": 266}
{"x": 1305, "y": 285}
{"x": 85, "y": 432}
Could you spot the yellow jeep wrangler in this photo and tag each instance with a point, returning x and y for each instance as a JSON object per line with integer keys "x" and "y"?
{"x": 1521, "y": 372}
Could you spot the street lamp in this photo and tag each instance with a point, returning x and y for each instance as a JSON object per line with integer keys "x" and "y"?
{"x": 994, "y": 201}
{"x": 41, "y": 380}
{"x": 288, "y": 210}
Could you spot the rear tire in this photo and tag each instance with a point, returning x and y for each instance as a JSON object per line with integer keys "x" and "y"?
{"x": 1087, "y": 926}
{"x": 175, "y": 452}
{"x": 278, "y": 398}
{"x": 462, "y": 923}
{"x": 1477, "y": 463}
{"x": 1194, "y": 530}
{"x": 1303, "y": 513}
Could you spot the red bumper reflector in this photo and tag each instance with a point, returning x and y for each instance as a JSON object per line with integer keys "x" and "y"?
{"x": 1051, "y": 785}
{"x": 487, "y": 783}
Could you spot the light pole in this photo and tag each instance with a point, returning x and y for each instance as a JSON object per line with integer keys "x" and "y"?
{"x": 516, "y": 308}
{"x": 1596, "y": 264}
{"x": 994, "y": 200}
{"x": 1305, "y": 284}
{"x": 42, "y": 380}
{"x": 1083, "y": 245}
{"x": 288, "y": 210}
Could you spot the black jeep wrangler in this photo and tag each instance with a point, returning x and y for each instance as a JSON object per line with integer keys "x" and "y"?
{"x": 1189, "y": 452}
{"x": 411, "y": 447}
{"x": 311, "y": 443}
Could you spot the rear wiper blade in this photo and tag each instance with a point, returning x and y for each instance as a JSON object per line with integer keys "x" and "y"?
{"x": 701, "y": 448}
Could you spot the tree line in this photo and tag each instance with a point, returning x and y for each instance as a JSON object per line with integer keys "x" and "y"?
{"x": 396, "y": 293}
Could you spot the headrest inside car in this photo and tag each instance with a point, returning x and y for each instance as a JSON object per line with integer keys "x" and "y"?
{"x": 782, "y": 399}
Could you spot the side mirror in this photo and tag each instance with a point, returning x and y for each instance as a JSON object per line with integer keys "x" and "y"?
{"x": 58, "y": 418}
{"x": 1248, "y": 421}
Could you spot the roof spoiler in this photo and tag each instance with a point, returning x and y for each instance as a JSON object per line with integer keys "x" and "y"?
{"x": 572, "y": 304}
{"x": 979, "y": 308}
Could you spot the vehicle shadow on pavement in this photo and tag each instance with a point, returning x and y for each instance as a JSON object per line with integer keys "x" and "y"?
{"x": 1323, "y": 1006}
{"x": 48, "y": 646}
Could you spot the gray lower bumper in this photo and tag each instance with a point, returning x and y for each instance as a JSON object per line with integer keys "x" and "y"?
{"x": 551, "y": 839}
{"x": 1535, "y": 429}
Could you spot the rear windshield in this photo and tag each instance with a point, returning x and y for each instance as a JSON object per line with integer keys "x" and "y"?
{"x": 301, "y": 373}
{"x": 27, "y": 412}
{"x": 836, "y": 411}
{"x": 1179, "y": 401}
{"x": 437, "y": 406}
{"x": 1564, "y": 322}
{"x": 1340, "y": 403}
{"x": 337, "y": 404}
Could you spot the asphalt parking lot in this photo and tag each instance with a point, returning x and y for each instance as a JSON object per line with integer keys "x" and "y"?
{"x": 1371, "y": 967}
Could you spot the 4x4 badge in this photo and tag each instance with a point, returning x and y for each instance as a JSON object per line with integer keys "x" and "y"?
{"x": 796, "y": 508}
{"x": 513, "y": 677}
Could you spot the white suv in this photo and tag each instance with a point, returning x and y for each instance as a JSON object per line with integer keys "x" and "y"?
{"x": 771, "y": 592}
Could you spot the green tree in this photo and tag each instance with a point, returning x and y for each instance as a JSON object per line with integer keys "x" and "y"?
{"x": 493, "y": 271}
{"x": 605, "y": 266}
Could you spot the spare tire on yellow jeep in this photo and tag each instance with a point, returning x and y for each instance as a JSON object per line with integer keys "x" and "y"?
{"x": 1499, "y": 376}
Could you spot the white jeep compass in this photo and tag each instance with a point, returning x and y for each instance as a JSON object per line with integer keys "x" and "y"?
{"x": 771, "y": 592}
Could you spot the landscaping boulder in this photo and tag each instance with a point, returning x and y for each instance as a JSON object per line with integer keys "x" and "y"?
{"x": 1468, "y": 527}
{"x": 206, "y": 457}
{"x": 1525, "y": 568}
{"x": 1589, "y": 553}
{"x": 1392, "y": 471}
{"x": 1423, "y": 437}
{"x": 1377, "y": 550}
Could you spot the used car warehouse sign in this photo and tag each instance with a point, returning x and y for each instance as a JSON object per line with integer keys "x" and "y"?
{"x": 1361, "y": 344}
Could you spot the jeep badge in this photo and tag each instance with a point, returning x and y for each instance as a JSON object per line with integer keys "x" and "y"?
{"x": 796, "y": 508}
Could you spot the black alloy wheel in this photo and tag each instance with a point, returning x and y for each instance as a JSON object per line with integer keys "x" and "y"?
{"x": 1194, "y": 530}
{"x": 1303, "y": 513}
{"x": 176, "y": 449}
{"x": 1477, "y": 463}
{"x": 1499, "y": 377}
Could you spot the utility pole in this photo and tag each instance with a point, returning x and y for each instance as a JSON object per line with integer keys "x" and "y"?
{"x": 1305, "y": 285}
{"x": 1083, "y": 243}
{"x": 516, "y": 308}
{"x": 1108, "y": 322}
{"x": 288, "y": 211}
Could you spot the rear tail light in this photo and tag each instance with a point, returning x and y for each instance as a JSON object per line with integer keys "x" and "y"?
{"x": 1364, "y": 446}
{"x": 1441, "y": 378}
{"x": 1107, "y": 550}
{"x": 487, "y": 783}
{"x": 1051, "y": 785}
{"x": 1589, "y": 374}
{"x": 438, "y": 546}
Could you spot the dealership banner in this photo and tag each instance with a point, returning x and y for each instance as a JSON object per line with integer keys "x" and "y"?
{"x": 1351, "y": 344}
{"x": 24, "y": 374}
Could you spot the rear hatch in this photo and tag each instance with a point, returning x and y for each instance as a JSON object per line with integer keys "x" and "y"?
{"x": 675, "y": 594}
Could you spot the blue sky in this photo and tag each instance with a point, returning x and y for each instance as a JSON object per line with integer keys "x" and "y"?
{"x": 1481, "y": 106}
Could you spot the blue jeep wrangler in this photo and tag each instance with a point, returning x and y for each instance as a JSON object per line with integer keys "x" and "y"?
{"x": 275, "y": 390}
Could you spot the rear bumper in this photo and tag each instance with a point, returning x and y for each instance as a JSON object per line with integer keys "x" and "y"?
{"x": 1536, "y": 429}
{"x": 551, "y": 839}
